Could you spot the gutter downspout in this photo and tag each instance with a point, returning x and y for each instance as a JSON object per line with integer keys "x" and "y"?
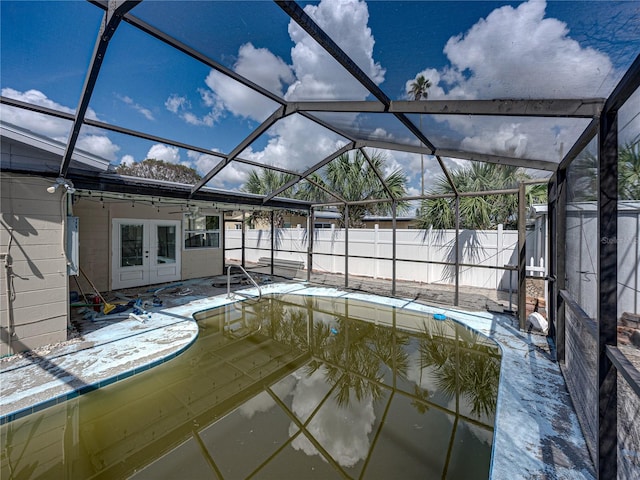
{"x": 6, "y": 256}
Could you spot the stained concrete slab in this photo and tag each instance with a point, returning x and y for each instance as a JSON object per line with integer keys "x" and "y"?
{"x": 536, "y": 433}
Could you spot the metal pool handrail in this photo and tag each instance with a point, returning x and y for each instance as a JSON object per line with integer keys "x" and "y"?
{"x": 248, "y": 276}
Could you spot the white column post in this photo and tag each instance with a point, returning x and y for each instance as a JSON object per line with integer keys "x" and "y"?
{"x": 376, "y": 250}
{"x": 499, "y": 254}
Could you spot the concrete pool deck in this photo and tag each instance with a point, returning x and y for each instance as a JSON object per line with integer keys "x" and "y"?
{"x": 536, "y": 431}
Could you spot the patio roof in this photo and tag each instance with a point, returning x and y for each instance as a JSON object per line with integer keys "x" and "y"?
{"x": 438, "y": 128}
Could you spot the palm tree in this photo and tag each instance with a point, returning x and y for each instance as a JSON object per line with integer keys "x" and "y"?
{"x": 629, "y": 171}
{"x": 350, "y": 176}
{"x": 353, "y": 178}
{"x": 419, "y": 89}
{"x": 263, "y": 182}
{"x": 478, "y": 212}
{"x": 582, "y": 175}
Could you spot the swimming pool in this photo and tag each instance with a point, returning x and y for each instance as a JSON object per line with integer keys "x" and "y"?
{"x": 292, "y": 387}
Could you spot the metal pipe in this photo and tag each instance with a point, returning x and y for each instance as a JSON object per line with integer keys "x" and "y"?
{"x": 243, "y": 235}
{"x": 8, "y": 282}
{"x": 507, "y": 191}
{"x": 510, "y": 290}
{"x": 393, "y": 248}
{"x": 255, "y": 284}
{"x": 273, "y": 239}
{"x": 456, "y": 295}
{"x": 607, "y": 315}
{"x": 310, "y": 234}
{"x": 560, "y": 266}
{"x": 346, "y": 246}
{"x": 522, "y": 257}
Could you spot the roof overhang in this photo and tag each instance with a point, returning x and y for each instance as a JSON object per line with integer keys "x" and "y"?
{"x": 121, "y": 184}
{"x": 50, "y": 152}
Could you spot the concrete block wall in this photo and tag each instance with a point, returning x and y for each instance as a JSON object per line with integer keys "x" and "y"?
{"x": 94, "y": 235}
{"x": 35, "y": 311}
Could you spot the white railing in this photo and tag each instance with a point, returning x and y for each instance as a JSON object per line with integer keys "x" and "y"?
{"x": 248, "y": 276}
{"x": 536, "y": 270}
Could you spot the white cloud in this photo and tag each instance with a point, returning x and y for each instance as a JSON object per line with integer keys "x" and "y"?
{"x": 145, "y": 112}
{"x": 507, "y": 140}
{"x": 167, "y": 153}
{"x": 127, "y": 160}
{"x": 181, "y": 106}
{"x": 56, "y": 128}
{"x": 44, "y": 124}
{"x": 263, "y": 401}
{"x": 263, "y": 68}
{"x": 175, "y": 103}
{"x": 99, "y": 145}
{"x": 312, "y": 75}
{"x": 223, "y": 93}
{"x": 344, "y": 433}
{"x": 518, "y": 53}
{"x": 192, "y": 119}
{"x": 231, "y": 177}
{"x": 296, "y": 143}
{"x": 319, "y": 76}
{"x": 236, "y": 98}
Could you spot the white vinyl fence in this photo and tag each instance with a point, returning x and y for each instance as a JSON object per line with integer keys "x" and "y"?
{"x": 414, "y": 248}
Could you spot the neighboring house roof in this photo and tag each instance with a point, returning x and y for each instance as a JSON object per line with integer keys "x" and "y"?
{"x": 331, "y": 215}
{"x": 27, "y": 151}
{"x": 373, "y": 218}
{"x": 323, "y": 214}
{"x": 537, "y": 210}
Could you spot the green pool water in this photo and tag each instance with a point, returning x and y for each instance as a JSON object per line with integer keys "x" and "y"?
{"x": 289, "y": 387}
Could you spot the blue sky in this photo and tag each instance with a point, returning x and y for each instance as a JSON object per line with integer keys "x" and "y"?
{"x": 468, "y": 50}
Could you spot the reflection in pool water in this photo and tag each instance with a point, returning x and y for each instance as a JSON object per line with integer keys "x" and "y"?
{"x": 291, "y": 387}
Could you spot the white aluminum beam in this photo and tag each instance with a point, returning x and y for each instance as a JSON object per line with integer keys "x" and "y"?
{"x": 564, "y": 108}
{"x": 263, "y": 127}
{"x": 309, "y": 171}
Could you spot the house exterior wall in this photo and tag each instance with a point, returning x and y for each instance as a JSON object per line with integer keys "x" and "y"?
{"x": 36, "y": 311}
{"x": 95, "y": 239}
{"x": 203, "y": 262}
{"x": 401, "y": 224}
{"x": 95, "y": 251}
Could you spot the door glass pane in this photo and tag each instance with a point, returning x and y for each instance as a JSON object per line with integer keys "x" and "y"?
{"x": 166, "y": 244}
{"x": 131, "y": 245}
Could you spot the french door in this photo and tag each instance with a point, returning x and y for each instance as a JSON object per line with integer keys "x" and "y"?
{"x": 144, "y": 252}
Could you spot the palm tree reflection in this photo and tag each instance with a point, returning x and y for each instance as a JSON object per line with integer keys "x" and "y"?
{"x": 355, "y": 355}
{"x": 464, "y": 366}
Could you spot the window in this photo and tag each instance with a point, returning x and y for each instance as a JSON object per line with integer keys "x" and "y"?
{"x": 202, "y": 231}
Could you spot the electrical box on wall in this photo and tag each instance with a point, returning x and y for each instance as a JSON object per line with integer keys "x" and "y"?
{"x": 73, "y": 245}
